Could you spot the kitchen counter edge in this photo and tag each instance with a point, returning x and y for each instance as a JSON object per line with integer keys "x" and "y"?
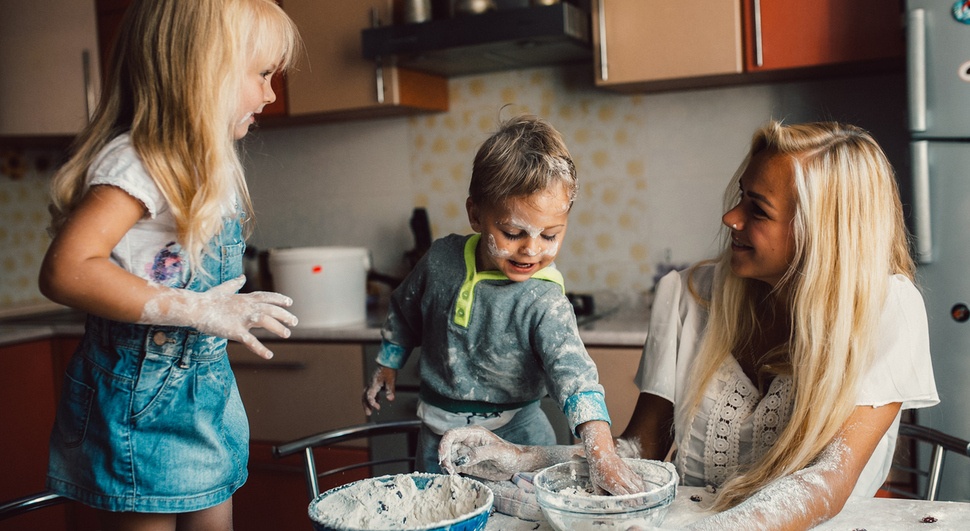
{"x": 623, "y": 329}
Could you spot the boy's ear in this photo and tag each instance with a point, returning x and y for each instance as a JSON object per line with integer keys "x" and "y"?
{"x": 473, "y": 214}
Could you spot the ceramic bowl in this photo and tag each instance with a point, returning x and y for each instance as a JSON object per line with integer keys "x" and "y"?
{"x": 412, "y": 502}
{"x": 564, "y": 492}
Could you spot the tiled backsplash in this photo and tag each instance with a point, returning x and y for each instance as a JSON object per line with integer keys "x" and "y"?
{"x": 23, "y": 224}
{"x": 652, "y": 171}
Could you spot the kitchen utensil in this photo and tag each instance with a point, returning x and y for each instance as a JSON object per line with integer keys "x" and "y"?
{"x": 417, "y": 502}
{"x": 564, "y": 495}
{"x": 327, "y": 284}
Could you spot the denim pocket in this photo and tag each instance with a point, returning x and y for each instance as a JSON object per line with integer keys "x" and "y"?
{"x": 73, "y": 411}
{"x": 232, "y": 260}
{"x": 154, "y": 377}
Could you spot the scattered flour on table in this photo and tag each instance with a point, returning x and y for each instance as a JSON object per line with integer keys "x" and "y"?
{"x": 396, "y": 502}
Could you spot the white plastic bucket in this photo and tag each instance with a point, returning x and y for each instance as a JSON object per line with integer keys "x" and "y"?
{"x": 327, "y": 284}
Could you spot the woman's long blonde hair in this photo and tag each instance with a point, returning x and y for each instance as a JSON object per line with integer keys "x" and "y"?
{"x": 850, "y": 237}
{"x": 175, "y": 75}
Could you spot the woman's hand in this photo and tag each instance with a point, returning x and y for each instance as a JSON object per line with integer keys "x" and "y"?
{"x": 384, "y": 378}
{"x": 223, "y": 312}
{"x": 478, "y": 452}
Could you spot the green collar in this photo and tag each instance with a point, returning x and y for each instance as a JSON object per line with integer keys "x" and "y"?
{"x": 466, "y": 295}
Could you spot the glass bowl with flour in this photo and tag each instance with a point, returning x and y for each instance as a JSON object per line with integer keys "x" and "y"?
{"x": 412, "y": 502}
{"x": 565, "y": 495}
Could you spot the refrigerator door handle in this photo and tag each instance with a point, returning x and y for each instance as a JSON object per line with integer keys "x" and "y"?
{"x": 922, "y": 225}
{"x": 916, "y": 68}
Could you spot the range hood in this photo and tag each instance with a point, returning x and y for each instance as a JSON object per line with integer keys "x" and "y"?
{"x": 496, "y": 40}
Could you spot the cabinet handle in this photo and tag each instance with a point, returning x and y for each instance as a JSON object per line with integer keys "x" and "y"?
{"x": 916, "y": 68}
{"x": 604, "y": 64}
{"x": 90, "y": 99}
{"x": 922, "y": 224}
{"x": 759, "y": 57}
{"x": 375, "y": 22}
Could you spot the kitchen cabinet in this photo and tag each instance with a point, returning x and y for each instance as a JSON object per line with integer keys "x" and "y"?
{"x": 644, "y": 45}
{"x": 29, "y": 390}
{"x": 306, "y": 388}
{"x": 617, "y": 367}
{"x": 50, "y": 68}
{"x": 785, "y": 34}
{"x": 334, "y": 81}
{"x": 637, "y": 41}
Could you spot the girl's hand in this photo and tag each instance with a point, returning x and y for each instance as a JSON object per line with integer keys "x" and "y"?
{"x": 384, "y": 378}
{"x": 223, "y": 312}
{"x": 479, "y": 452}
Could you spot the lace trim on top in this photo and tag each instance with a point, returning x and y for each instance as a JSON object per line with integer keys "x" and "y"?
{"x": 772, "y": 414}
{"x": 736, "y": 398}
{"x": 733, "y": 403}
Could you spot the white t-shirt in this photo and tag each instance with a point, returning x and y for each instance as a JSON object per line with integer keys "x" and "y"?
{"x": 735, "y": 421}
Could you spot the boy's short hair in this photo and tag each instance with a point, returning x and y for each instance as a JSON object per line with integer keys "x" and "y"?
{"x": 526, "y": 155}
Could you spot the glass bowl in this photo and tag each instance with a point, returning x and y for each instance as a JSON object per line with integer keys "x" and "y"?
{"x": 413, "y": 502}
{"x": 564, "y": 492}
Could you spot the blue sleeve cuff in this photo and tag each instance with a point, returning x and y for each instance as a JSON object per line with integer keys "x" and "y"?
{"x": 393, "y": 356}
{"x": 584, "y": 407}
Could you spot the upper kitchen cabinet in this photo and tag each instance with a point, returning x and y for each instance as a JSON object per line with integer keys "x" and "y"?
{"x": 786, "y": 34}
{"x": 333, "y": 80}
{"x": 642, "y": 41}
{"x": 49, "y": 68}
{"x": 644, "y": 45}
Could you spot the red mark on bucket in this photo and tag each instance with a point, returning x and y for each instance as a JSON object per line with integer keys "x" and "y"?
{"x": 317, "y": 269}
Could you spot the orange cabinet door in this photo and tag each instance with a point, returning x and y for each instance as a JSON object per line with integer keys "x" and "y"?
{"x": 784, "y": 34}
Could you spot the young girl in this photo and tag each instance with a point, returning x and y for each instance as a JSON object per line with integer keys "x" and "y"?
{"x": 491, "y": 316}
{"x": 148, "y": 220}
{"x": 776, "y": 374}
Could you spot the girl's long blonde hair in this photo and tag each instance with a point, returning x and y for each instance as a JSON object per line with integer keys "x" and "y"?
{"x": 850, "y": 237}
{"x": 175, "y": 76}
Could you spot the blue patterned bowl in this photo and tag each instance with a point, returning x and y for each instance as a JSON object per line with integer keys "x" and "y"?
{"x": 412, "y": 502}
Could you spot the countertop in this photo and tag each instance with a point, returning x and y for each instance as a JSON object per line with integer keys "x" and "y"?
{"x": 858, "y": 513}
{"x": 619, "y": 320}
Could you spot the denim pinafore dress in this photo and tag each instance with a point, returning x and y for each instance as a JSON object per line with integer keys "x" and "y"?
{"x": 150, "y": 418}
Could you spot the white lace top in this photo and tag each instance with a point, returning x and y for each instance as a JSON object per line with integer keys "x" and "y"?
{"x": 735, "y": 423}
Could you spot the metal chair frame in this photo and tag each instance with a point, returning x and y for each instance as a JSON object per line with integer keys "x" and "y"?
{"x": 940, "y": 443}
{"x": 29, "y": 503}
{"x": 306, "y": 445}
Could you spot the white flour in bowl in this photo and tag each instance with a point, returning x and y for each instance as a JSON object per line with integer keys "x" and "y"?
{"x": 396, "y": 502}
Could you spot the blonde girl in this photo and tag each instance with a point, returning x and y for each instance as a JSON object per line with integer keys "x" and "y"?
{"x": 148, "y": 220}
{"x": 775, "y": 375}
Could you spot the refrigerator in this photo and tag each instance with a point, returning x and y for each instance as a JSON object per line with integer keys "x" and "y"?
{"x": 938, "y": 90}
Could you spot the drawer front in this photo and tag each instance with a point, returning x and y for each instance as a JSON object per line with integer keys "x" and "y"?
{"x": 304, "y": 389}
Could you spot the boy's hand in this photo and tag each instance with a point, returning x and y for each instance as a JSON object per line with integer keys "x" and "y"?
{"x": 384, "y": 378}
{"x": 606, "y": 469}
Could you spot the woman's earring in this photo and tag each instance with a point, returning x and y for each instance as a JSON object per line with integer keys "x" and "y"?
{"x": 734, "y": 226}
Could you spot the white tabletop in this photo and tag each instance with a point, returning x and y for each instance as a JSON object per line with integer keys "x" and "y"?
{"x": 859, "y": 513}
